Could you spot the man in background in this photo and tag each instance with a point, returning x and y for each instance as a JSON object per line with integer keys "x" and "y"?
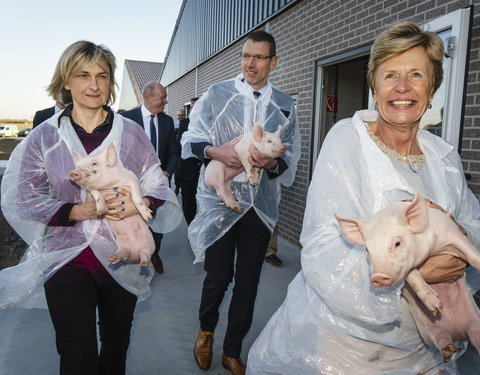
{"x": 45, "y": 114}
{"x": 186, "y": 175}
{"x": 159, "y": 128}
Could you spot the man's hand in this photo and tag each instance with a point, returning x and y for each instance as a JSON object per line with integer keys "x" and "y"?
{"x": 226, "y": 154}
{"x": 260, "y": 161}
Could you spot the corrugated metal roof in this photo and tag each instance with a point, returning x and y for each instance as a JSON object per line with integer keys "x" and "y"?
{"x": 142, "y": 72}
{"x": 205, "y": 27}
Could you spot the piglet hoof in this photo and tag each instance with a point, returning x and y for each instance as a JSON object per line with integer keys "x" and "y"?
{"x": 448, "y": 351}
{"x": 145, "y": 213}
{"x": 433, "y": 304}
{"x": 238, "y": 209}
{"x": 144, "y": 264}
{"x": 114, "y": 258}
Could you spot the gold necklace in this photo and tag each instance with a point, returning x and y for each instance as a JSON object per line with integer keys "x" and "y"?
{"x": 413, "y": 161}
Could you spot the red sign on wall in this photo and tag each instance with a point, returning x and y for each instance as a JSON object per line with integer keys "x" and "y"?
{"x": 332, "y": 104}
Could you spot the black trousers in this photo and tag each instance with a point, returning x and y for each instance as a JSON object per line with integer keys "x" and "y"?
{"x": 189, "y": 200}
{"x": 249, "y": 237}
{"x": 73, "y": 310}
{"x": 157, "y": 238}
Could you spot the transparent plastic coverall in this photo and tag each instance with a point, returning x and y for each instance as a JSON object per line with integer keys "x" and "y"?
{"x": 227, "y": 111}
{"x": 333, "y": 321}
{"x": 36, "y": 184}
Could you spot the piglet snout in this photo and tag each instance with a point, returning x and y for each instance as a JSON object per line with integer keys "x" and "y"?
{"x": 282, "y": 150}
{"x": 74, "y": 175}
{"x": 380, "y": 279}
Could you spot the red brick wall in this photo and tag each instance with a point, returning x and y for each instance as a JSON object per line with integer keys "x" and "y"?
{"x": 312, "y": 30}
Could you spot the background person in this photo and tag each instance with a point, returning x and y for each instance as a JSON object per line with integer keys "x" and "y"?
{"x": 233, "y": 245}
{"x": 69, "y": 243}
{"x": 187, "y": 173}
{"x": 44, "y": 114}
{"x": 333, "y": 320}
{"x": 180, "y": 117}
{"x": 161, "y": 132}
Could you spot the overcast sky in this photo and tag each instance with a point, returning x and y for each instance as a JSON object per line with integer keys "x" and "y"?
{"x": 34, "y": 33}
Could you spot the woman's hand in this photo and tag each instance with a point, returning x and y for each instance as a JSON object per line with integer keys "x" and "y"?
{"x": 444, "y": 268}
{"x": 120, "y": 204}
{"x": 84, "y": 211}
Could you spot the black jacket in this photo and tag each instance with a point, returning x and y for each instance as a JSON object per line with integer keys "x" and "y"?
{"x": 167, "y": 143}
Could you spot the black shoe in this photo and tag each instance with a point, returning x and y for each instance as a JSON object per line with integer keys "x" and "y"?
{"x": 157, "y": 263}
{"x": 273, "y": 260}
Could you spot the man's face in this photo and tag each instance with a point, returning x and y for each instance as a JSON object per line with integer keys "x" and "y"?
{"x": 257, "y": 63}
{"x": 155, "y": 102}
{"x": 180, "y": 115}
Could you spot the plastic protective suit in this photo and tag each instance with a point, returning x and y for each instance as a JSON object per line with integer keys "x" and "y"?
{"x": 333, "y": 321}
{"x": 227, "y": 111}
{"x": 36, "y": 184}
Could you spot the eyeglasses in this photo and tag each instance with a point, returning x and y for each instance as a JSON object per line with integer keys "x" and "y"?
{"x": 246, "y": 56}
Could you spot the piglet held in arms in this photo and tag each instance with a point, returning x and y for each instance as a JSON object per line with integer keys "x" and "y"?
{"x": 401, "y": 237}
{"x": 218, "y": 176}
{"x": 98, "y": 175}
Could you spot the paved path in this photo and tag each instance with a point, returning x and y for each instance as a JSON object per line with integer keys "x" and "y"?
{"x": 165, "y": 325}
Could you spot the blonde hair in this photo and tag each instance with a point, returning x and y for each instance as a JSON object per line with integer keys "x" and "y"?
{"x": 74, "y": 59}
{"x": 401, "y": 38}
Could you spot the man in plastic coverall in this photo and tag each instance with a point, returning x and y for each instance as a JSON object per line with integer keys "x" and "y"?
{"x": 228, "y": 110}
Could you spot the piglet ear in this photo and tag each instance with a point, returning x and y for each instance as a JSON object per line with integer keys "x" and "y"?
{"x": 111, "y": 155}
{"x": 76, "y": 157}
{"x": 257, "y": 133}
{"x": 416, "y": 214}
{"x": 352, "y": 230}
{"x": 279, "y": 129}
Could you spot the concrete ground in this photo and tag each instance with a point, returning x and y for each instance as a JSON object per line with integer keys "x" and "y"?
{"x": 165, "y": 325}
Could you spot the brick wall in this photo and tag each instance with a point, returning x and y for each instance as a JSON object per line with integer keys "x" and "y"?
{"x": 312, "y": 30}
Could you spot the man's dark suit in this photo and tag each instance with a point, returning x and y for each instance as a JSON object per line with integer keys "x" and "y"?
{"x": 167, "y": 149}
{"x": 186, "y": 177}
{"x": 167, "y": 144}
{"x": 42, "y": 115}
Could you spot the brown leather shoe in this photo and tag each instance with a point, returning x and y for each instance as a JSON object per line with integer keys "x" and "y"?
{"x": 203, "y": 350}
{"x": 157, "y": 263}
{"x": 234, "y": 365}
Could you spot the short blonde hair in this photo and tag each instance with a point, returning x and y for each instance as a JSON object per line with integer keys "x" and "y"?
{"x": 74, "y": 59}
{"x": 401, "y": 38}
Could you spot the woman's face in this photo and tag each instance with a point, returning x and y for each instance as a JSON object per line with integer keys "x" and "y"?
{"x": 403, "y": 87}
{"x": 90, "y": 86}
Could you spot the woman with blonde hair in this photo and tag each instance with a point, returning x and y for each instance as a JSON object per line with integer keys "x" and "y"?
{"x": 333, "y": 321}
{"x": 69, "y": 243}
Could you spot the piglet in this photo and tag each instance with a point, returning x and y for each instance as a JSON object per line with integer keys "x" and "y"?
{"x": 218, "y": 176}
{"x": 99, "y": 174}
{"x": 401, "y": 237}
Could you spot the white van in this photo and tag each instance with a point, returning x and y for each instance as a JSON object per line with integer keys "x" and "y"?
{"x": 8, "y": 131}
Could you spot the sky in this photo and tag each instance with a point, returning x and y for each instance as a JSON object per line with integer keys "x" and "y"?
{"x": 34, "y": 33}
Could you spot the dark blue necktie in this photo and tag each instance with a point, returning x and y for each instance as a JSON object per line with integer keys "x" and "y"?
{"x": 153, "y": 132}
{"x": 256, "y": 94}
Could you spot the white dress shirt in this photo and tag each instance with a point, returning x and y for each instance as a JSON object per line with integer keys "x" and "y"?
{"x": 146, "y": 115}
